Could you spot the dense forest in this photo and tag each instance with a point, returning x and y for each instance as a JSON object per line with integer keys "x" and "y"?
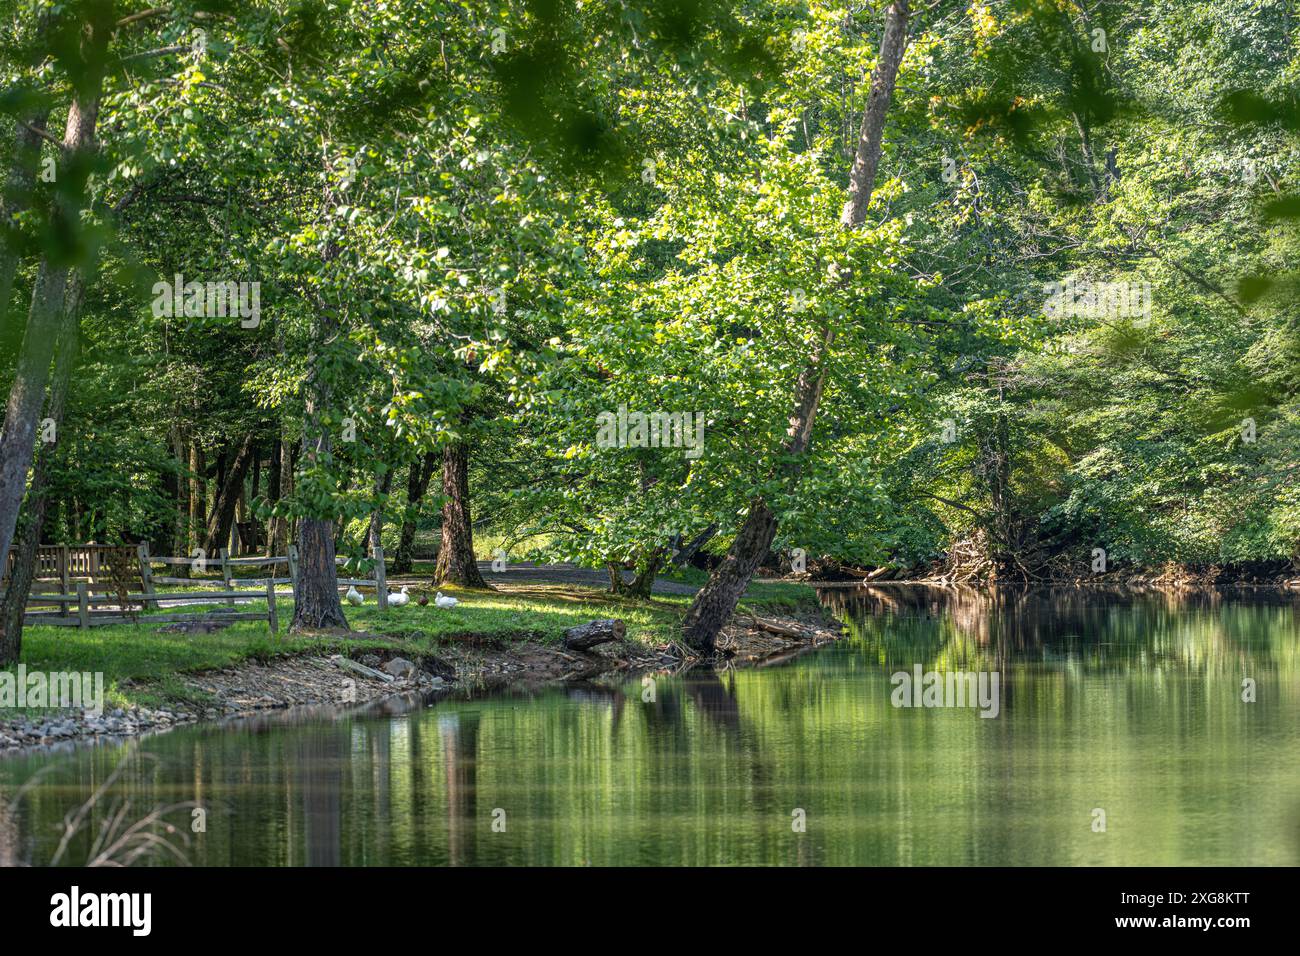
{"x": 1000, "y": 288}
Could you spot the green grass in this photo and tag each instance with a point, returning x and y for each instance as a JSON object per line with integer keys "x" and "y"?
{"x": 145, "y": 655}
{"x": 142, "y": 653}
{"x": 534, "y": 613}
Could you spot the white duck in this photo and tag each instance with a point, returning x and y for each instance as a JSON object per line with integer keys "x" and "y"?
{"x": 398, "y": 598}
{"x": 445, "y": 601}
{"x": 354, "y": 597}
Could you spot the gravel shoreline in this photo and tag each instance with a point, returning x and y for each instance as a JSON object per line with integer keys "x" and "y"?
{"x": 241, "y": 690}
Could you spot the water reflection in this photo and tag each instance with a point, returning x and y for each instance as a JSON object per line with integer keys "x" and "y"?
{"x": 459, "y": 741}
{"x": 1127, "y": 702}
{"x": 318, "y": 777}
{"x": 1095, "y": 628}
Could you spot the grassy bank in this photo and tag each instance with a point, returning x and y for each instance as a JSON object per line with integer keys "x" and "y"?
{"x": 152, "y": 660}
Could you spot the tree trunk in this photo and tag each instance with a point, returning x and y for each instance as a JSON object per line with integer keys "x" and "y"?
{"x": 417, "y": 483}
{"x": 180, "y": 532}
{"x": 223, "y": 509}
{"x": 456, "y": 563}
{"x": 1003, "y": 547}
{"x": 374, "y": 536}
{"x": 48, "y": 317}
{"x": 13, "y": 604}
{"x": 244, "y": 510}
{"x": 198, "y": 498}
{"x": 316, "y": 598}
{"x": 686, "y": 552}
{"x": 273, "y": 484}
{"x": 616, "y": 584}
{"x": 281, "y": 530}
{"x": 1089, "y": 160}
{"x": 218, "y": 480}
{"x": 866, "y": 158}
{"x": 642, "y": 583}
{"x": 161, "y": 534}
{"x": 717, "y": 600}
{"x": 17, "y": 444}
{"x": 237, "y": 543}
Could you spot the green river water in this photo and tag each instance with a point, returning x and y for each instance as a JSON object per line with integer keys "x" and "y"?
{"x": 1127, "y": 704}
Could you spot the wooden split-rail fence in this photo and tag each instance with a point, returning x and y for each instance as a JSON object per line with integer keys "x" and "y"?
{"x": 78, "y": 578}
{"x": 227, "y": 564}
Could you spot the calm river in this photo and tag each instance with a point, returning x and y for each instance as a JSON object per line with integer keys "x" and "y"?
{"x": 1127, "y": 706}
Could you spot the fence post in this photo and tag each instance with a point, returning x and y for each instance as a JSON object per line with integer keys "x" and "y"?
{"x": 381, "y": 578}
{"x": 272, "y": 618}
{"x": 65, "y": 577}
{"x": 225, "y": 575}
{"x": 83, "y": 605}
{"x": 293, "y": 569}
{"x": 146, "y": 574}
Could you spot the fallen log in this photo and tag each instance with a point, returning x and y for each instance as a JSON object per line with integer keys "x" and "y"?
{"x": 875, "y": 574}
{"x": 586, "y": 636}
{"x": 351, "y": 665}
{"x": 757, "y": 623}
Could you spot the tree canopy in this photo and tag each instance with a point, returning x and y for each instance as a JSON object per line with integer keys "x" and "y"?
{"x": 589, "y": 278}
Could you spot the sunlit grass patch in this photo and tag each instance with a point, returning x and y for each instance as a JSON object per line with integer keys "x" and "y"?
{"x": 534, "y": 612}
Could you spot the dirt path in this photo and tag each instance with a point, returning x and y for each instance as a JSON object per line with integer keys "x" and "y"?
{"x": 525, "y": 572}
{"x": 518, "y": 573}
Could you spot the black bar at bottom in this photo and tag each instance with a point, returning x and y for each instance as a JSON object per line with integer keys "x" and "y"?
{"x": 210, "y": 907}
